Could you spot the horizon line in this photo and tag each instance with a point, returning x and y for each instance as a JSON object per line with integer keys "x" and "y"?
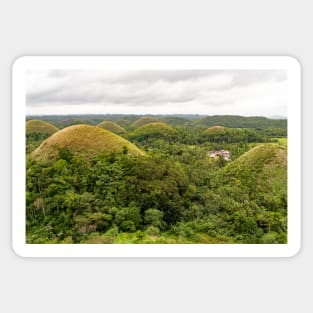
{"x": 171, "y": 114}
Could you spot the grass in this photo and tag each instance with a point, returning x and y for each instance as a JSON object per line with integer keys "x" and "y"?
{"x": 85, "y": 141}
{"x": 262, "y": 168}
{"x": 282, "y": 141}
{"x": 216, "y": 130}
{"x": 38, "y": 126}
{"x": 112, "y": 127}
{"x": 153, "y": 128}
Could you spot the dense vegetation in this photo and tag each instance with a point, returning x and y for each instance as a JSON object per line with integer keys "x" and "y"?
{"x": 175, "y": 120}
{"x": 241, "y": 122}
{"x": 170, "y": 191}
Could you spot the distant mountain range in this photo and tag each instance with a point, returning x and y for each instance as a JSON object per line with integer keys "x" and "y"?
{"x": 232, "y": 121}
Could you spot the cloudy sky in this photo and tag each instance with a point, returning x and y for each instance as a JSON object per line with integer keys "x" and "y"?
{"x": 246, "y": 92}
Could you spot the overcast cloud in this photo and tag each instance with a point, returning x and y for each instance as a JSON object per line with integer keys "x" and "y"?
{"x": 248, "y": 92}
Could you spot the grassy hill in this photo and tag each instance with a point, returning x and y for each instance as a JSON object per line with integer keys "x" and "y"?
{"x": 176, "y": 121}
{"x": 85, "y": 141}
{"x": 263, "y": 169}
{"x": 234, "y": 121}
{"x": 111, "y": 126}
{"x": 153, "y": 129}
{"x": 124, "y": 123}
{"x": 143, "y": 121}
{"x": 39, "y": 127}
{"x": 216, "y": 130}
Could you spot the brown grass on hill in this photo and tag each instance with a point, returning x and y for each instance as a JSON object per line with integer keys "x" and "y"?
{"x": 38, "y": 126}
{"x": 216, "y": 130}
{"x": 144, "y": 120}
{"x": 85, "y": 141}
{"x": 154, "y": 127}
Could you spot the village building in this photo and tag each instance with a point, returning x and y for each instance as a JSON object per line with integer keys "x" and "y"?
{"x": 220, "y": 153}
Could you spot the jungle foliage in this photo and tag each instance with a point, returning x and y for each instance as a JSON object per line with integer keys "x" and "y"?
{"x": 173, "y": 193}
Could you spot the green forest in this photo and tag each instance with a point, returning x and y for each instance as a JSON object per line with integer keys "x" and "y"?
{"x": 187, "y": 179}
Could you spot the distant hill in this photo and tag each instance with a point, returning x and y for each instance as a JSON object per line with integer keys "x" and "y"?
{"x": 216, "y": 130}
{"x": 152, "y": 129}
{"x": 125, "y": 120}
{"x": 111, "y": 126}
{"x": 234, "y": 121}
{"x": 144, "y": 120}
{"x": 39, "y": 127}
{"x": 76, "y": 121}
{"x": 124, "y": 123}
{"x": 85, "y": 141}
{"x": 176, "y": 121}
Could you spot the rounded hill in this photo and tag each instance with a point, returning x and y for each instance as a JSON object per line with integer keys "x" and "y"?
{"x": 111, "y": 126}
{"x": 123, "y": 123}
{"x": 41, "y": 127}
{"x": 85, "y": 141}
{"x": 144, "y": 120}
{"x": 176, "y": 121}
{"x": 214, "y": 130}
{"x": 261, "y": 169}
{"x": 153, "y": 128}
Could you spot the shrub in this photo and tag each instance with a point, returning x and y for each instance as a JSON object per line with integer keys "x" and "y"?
{"x": 128, "y": 218}
{"x": 153, "y": 217}
{"x": 128, "y": 226}
{"x": 152, "y": 231}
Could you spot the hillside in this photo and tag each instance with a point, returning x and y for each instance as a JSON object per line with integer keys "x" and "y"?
{"x": 111, "y": 126}
{"x": 123, "y": 123}
{"x": 39, "y": 127}
{"x": 263, "y": 169}
{"x": 143, "y": 121}
{"x": 85, "y": 141}
{"x": 234, "y": 121}
{"x": 86, "y": 189}
{"x": 152, "y": 130}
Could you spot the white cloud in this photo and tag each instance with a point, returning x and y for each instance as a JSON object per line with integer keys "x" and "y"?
{"x": 157, "y": 92}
